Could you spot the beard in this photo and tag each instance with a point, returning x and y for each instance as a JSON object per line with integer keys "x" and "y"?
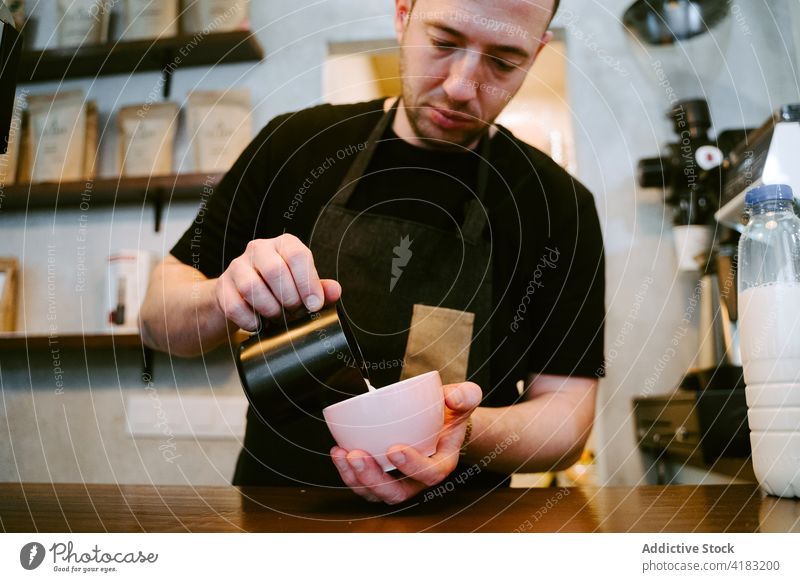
{"x": 433, "y": 136}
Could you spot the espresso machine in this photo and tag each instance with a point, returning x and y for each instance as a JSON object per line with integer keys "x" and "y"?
{"x": 704, "y": 422}
{"x": 691, "y": 172}
{"x": 730, "y": 164}
{"x": 678, "y": 36}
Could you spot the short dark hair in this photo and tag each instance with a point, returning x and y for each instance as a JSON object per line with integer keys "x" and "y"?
{"x": 555, "y": 8}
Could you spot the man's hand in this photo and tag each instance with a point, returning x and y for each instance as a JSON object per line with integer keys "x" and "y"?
{"x": 274, "y": 276}
{"x": 365, "y": 477}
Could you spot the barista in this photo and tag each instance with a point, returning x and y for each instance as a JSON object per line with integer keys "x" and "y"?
{"x": 451, "y": 244}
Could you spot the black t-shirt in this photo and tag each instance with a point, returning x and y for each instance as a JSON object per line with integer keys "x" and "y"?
{"x": 548, "y": 265}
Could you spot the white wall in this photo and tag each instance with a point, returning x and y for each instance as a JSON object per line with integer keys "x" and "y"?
{"x": 79, "y": 435}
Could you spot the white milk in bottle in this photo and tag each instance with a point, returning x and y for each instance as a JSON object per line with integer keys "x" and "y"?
{"x": 769, "y": 319}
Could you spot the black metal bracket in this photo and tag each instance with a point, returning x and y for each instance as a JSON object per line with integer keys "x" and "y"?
{"x": 166, "y": 87}
{"x": 166, "y": 74}
{"x": 158, "y": 207}
{"x": 147, "y": 364}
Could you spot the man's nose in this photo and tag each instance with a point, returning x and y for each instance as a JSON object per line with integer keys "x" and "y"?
{"x": 462, "y": 83}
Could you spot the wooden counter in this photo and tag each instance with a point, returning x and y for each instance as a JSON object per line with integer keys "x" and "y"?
{"x": 136, "y": 508}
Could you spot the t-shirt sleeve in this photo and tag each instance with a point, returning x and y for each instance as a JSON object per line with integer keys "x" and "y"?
{"x": 230, "y": 214}
{"x": 568, "y": 282}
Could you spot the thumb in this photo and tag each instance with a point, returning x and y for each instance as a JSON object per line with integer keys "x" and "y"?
{"x": 332, "y": 290}
{"x": 462, "y": 398}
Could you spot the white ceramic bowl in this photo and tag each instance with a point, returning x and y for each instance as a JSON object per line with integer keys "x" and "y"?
{"x": 772, "y": 395}
{"x": 776, "y": 461}
{"x": 774, "y": 419}
{"x": 410, "y": 412}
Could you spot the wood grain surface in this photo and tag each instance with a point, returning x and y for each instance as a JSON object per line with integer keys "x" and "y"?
{"x": 137, "y": 508}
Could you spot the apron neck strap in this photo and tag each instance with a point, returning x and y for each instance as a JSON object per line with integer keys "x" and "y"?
{"x": 364, "y": 157}
{"x": 476, "y": 213}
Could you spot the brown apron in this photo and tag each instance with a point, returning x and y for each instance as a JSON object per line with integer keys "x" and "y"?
{"x": 418, "y": 298}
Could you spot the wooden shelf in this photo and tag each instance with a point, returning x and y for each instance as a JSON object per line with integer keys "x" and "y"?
{"x": 139, "y": 56}
{"x": 108, "y": 191}
{"x": 92, "y": 340}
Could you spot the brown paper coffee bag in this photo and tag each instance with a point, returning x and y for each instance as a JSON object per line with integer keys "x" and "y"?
{"x": 208, "y": 16}
{"x": 146, "y": 138}
{"x": 57, "y": 145}
{"x": 220, "y": 128}
{"x": 144, "y": 19}
{"x": 82, "y": 22}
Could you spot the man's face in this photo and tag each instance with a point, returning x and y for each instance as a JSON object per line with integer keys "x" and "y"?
{"x": 463, "y": 60}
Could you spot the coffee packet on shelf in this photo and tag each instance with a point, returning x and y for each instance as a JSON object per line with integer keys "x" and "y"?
{"x": 10, "y": 160}
{"x": 9, "y": 293}
{"x": 146, "y": 139}
{"x": 208, "y": 16}
{"x": 148, "y": 19}
{"x": 57, "y": 140}
{"x": 220, "y": 128}
{"x": 92, "y": 145}
{"x": 82, "y": 22}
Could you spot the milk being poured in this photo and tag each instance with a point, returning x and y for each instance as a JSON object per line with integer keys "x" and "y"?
{"x": 769, "y": 317}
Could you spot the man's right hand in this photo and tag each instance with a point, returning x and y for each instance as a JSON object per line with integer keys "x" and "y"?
{"x": 274, "y": 276}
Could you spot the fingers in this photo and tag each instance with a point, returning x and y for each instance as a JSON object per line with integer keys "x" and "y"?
{"x": 274, "y": 278}
{"x": 305, "y": 284}
{"x": 461, "y": 401}
{"x": 234, "y": 306}
{"x": 385, "y": 487}
{"x": 332, "y": 289}
{"x": 427, "y": 470}
{"x": 462, "y": 398}
{"x": 273, "y": 270}
{"x": 361, "y": 473}
{"x": 348, "y": 476}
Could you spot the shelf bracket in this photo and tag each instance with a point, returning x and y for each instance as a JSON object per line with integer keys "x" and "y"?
{"x": 147, "y": 364}
{"x": 166, "y": 74}
{"x": 158, "y": 208}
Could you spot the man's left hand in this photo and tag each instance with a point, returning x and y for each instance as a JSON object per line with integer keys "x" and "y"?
{"x": 364, "y": 476}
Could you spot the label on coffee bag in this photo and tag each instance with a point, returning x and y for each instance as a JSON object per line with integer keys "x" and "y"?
{"x": 146, "y": 138}
{"x": 220, "y": 128}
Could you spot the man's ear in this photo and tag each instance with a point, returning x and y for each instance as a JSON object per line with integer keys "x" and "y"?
{"x": 546, "y": 37}
{"x": 402, "y": 14}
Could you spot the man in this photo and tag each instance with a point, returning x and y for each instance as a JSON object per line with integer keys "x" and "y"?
{"x": 432, "y": 218}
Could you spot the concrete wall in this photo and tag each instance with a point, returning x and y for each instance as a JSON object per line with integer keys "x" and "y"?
{"x": 79, "y": 434}
{"x": 618, "y": 117}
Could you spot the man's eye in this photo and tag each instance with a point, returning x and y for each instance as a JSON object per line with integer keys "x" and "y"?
{"x": 503, "y": 65}
{"x": 443, "y": 45}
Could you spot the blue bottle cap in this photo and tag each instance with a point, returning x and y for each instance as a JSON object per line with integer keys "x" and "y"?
{"x": 768, "y": 192}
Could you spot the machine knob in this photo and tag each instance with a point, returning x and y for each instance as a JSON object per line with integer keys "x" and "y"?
{"x": 654, "y": 172}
